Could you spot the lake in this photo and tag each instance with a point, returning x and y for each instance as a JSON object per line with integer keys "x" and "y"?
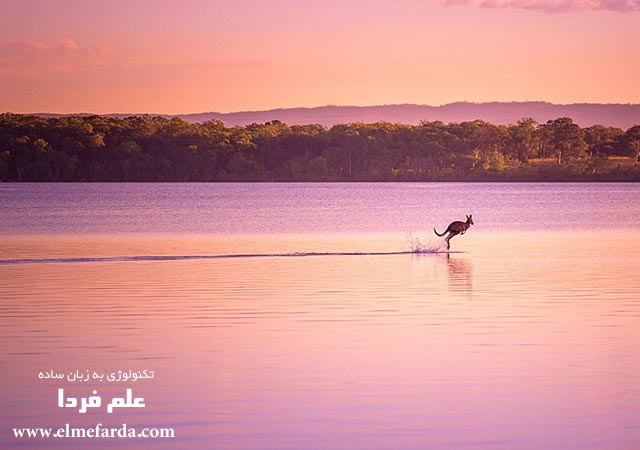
{"x": 324, "y": 316}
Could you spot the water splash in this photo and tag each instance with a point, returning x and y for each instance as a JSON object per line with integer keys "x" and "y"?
{"x": 433, "y": 246}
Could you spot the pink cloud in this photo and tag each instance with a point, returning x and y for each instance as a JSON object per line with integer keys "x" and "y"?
{"x": 553, "y": 6}
{"x": 66, "y": 56}
{"x": 68, "y": 43}
{"x": 33, "y": 57}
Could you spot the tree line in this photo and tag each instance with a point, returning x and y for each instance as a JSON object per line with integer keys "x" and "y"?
{"x": 148, "y": 148}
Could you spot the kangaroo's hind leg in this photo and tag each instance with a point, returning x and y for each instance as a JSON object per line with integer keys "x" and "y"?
{"x": 451, "y": 235}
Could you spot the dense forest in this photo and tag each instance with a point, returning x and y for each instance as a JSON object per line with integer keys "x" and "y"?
{"x": 146, "y": 148}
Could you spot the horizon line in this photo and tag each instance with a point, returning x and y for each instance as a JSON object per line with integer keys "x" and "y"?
{"x": 248, "y": 111}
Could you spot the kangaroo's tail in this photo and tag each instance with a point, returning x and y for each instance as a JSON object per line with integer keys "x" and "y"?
{"x": 434, "y": 230}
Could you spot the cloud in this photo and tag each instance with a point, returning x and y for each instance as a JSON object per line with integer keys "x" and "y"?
{"x": 33, "y": 57}
{"x": 67, "y": 57}
{"x": 553, "y": 6}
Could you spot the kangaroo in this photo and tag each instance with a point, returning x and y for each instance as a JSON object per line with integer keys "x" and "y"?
{"x": 455, "y": 228}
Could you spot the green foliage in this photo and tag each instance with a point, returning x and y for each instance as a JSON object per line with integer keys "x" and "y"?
{"x": 522, "y": 140}
{"x": 602, "y": 140}
{"x": 629, "y": 143}
{"x": 566, "y": 138}
{"x": 493, "y": 161}
{"x": 146, "y": 148}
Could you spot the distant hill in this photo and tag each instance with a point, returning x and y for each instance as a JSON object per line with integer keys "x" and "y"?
{"x": 584, "y": 114}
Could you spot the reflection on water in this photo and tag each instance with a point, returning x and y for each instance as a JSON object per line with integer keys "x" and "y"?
{"x": 524, "y": 337}
{"x": 460, "y": 274}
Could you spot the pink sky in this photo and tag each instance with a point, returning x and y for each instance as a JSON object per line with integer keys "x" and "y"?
{"x": 168, "y": 56}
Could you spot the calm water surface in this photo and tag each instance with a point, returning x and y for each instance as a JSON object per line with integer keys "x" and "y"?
{"x": 526, "y": 337}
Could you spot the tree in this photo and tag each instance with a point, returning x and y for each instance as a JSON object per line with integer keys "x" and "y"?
{"x": 493, "y": 161}
{"x": 567, "y": 138}
{"x": 147, "y": 148}
{"x": 630, "y": 142}
{"x": 601, "y": 139}
{"x": 4, "y": 165}
{"x": 522, "y": 139}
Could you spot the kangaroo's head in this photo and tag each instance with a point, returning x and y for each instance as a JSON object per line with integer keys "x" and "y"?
{"x": 469, "y": 220}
